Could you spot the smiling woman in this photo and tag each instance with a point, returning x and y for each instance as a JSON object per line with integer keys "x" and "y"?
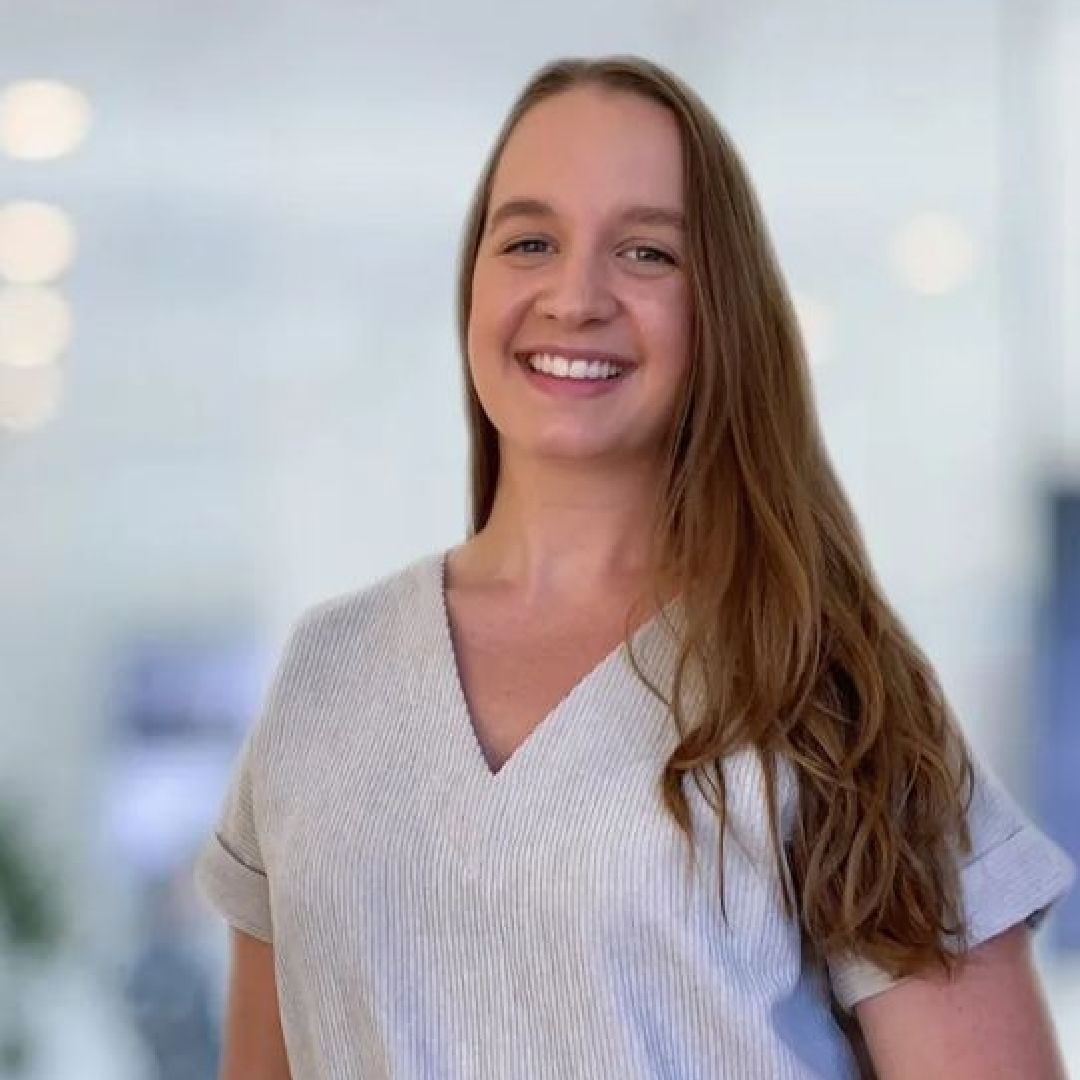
{"x": 644, "y": 779}
{"x": 582, "y": 257}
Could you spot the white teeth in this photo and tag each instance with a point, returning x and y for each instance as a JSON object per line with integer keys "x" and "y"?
{"x": 562, "y": 368}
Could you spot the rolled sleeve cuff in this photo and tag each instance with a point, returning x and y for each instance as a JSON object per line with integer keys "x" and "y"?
{"x": 1018, "y": 879}
{"x": 241, "y": 893}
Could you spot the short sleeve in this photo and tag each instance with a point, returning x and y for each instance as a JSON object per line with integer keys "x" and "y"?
{"x": 230, "y": 869}
{"x": 1014, "y": 873}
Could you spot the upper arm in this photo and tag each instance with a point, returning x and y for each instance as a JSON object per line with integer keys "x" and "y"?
{"x": 989, "y": 1021}
{"x": 253, "y": 1044}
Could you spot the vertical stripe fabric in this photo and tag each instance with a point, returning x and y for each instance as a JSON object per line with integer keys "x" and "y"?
{"x": 434, "y": 920}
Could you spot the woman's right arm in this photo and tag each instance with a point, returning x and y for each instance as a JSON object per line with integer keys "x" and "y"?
{"x": 254, "y": 1047}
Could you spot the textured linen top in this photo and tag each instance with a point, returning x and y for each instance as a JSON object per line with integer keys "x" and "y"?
{"x": 434, "y": 919}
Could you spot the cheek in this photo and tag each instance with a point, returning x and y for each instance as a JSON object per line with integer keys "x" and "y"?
{"x": 492, "y": 321}
{"x": 666, "y": 323}
{"x": 495, "y": 306}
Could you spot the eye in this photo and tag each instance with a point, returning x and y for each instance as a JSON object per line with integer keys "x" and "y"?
{"x": 663, "y": 255}
{"x": 657, "y": 255}
{"x": 518, "y": 244}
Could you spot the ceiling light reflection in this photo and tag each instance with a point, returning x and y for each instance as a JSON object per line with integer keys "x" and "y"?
{"x": 816, "y": 325}
{"x": 37, "y": 242}
{"x": 29, "y": 397}
{"x": 42, "y": 119}
{"x": 35, "y": 325}
{"x": 932, "y": 253}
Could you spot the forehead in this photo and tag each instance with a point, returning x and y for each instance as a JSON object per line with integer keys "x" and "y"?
{"x": 591, "y": 144}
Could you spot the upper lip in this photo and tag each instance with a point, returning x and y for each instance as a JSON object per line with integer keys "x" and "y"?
{"x": 575, "y": 354}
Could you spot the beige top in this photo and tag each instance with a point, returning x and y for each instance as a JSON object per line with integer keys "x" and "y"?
{"x": 433, "y": 919}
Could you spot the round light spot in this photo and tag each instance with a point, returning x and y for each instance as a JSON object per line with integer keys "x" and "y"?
{"x": 37, "y": 242}
{"x": 35, "y": 325}
{"x": 816, "y": 324}
{"x": 41, "y": 119}
{"x": 29, "y": 397}
{"x": 932, "y": 253}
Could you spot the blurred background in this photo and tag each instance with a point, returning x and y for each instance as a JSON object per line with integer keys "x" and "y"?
{"x": 229, "y": 387}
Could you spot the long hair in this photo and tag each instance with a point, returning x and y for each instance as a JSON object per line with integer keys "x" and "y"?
{"x": 801, "y": 656}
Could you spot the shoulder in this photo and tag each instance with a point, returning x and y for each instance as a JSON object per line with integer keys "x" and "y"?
{"x": 358, "y": 635}
{"x": 346, "y": 656}
{"x": 379, "y": 606}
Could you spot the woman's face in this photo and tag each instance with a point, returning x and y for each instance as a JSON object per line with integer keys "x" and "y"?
{"x": 583, "y": 252}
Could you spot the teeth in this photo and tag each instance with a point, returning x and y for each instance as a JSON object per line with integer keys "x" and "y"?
{"x": 562, "y": 368}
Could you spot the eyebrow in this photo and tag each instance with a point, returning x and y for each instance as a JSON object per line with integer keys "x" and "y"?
{"x": 525, "y": 206}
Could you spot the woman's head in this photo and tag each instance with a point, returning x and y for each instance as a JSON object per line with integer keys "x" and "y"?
{"x": 698, "y": 305}
{"x": 583, "y": 256}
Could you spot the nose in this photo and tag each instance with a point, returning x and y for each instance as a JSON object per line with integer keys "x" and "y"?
{"x": 576, "y": 290}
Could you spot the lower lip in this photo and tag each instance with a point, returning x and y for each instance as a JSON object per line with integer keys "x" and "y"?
{"x": 570, "y": 388}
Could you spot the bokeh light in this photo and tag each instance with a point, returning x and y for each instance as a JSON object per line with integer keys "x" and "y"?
{"x": 37, "y": 242}
{"x": 932, "y": 253}
{"x": 42, "y": 119}
{"x": 29, "y": 397}
{"x": 35, "y": 325}
{"x": 816, "y": 324}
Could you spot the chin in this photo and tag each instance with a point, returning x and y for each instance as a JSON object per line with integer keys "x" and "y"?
{"x": 568, "y": 449}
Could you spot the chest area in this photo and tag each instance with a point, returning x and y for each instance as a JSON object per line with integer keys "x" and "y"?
{"x": 591, "y": 863}
{"x": 514, "y": 674}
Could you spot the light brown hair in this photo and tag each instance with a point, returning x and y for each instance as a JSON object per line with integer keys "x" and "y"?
{"x": 801, "y": 655}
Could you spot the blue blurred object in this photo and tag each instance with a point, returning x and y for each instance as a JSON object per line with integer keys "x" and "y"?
{"x": 169, "y": 990}
{"x": 181, "y": 704}
{"x": 1058, "y": 751}
{"x": 188, "y": 686}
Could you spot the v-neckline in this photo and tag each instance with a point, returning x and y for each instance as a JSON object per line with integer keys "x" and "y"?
{"x": 449, "y": 661}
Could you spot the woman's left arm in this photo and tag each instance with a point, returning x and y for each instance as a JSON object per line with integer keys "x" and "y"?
{"x": 989, "y": 1021}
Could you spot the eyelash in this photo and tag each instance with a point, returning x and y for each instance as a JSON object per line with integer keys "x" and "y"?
{"x": 636, "y": 247}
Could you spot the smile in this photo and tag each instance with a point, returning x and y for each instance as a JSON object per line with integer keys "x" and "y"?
{"x": 560, "y": 367}
{"x": 562, "y": 377}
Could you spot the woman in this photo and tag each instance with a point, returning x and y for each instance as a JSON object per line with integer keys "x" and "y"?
{"x": 644, "y": 779}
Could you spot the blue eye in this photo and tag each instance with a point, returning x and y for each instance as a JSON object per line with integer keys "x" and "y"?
{"x": 528, "y": 240}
